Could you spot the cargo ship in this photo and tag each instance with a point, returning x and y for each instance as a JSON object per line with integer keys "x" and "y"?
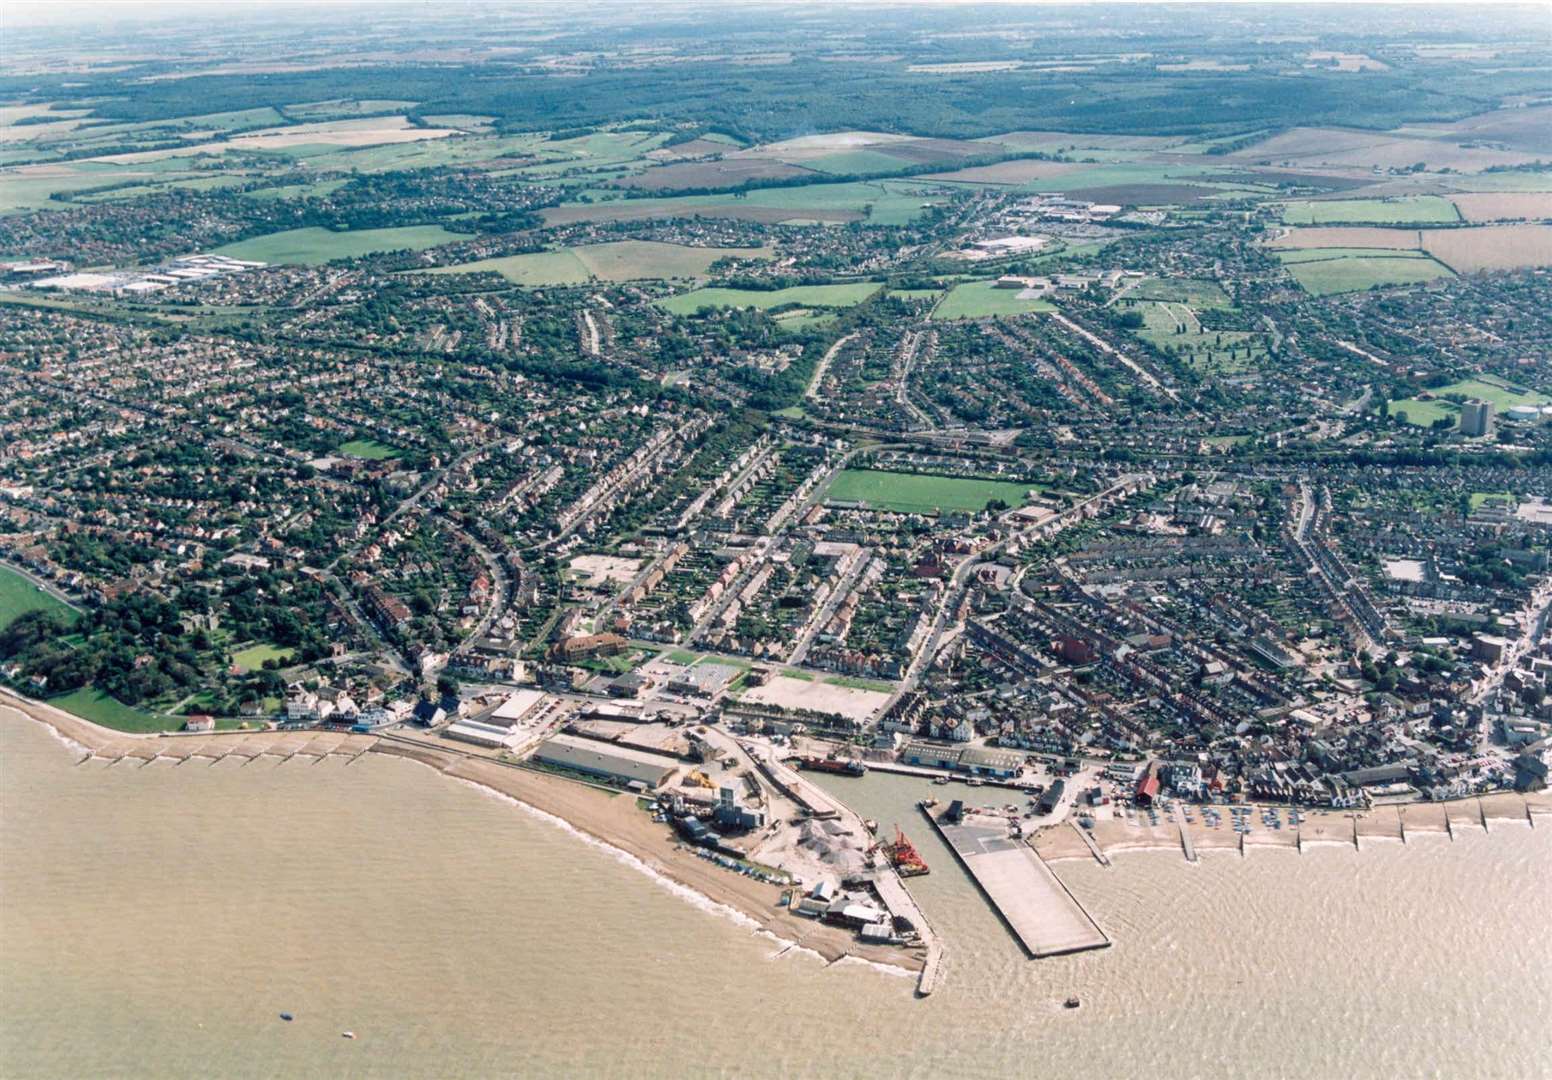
{"x": 904, "y": 857}
{"x": 833, "y": 765}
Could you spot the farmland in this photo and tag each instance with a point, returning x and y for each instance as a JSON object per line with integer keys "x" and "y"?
{"x": 1424, "y": 209}
{"x": 920, "y": 493}
{"x": 806, "y": 295}
{"x": 1491, "y": 247}
{"x": 624, "y": 260}
{"x": 1359, "y": 271}
{"x": 1504, "y": 206}
{"x": 312, "y": 246}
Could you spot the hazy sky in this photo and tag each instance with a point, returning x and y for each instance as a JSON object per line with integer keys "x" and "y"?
{"x": 44, "y": 11}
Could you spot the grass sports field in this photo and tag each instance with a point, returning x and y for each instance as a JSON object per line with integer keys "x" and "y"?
{"x": 309, "y": 247}
{"x": 1501, "y": 395}
{"x": 624, "y": 260}
{"x": 370, "y": 449}
{"x": 252, "y": 658}
{"x": 1423, "y": 413}
{"x": 983, "y": 300}
{"x": 19, "y": 596}
{"x": 1414, "y": 210}
{"x": 919, "y": 493}
{"x": 807, "y": 295}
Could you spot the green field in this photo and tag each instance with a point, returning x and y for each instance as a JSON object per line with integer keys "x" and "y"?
{"x": 1423, "y": 413}
{"x": 1416, "y": 209}
{"x": 1323, "y": 277}
{"x": 1198, "y": 293}
{"x": 19, "y": 596}
{"x": 252, "y": 658}
{"x": 917, "y": 493}
{"x": 1303, "y": 255}
{"x": 983, "y": 300}
{"x": 1175, "y": 327}
{"x": 311, "y": 246}
{"x": 807, "y": 295}
{"x": 92, "y": 704}
{"x": 370, "y": 449}
{"x": 624, "y": 260}
{"x": 1501, "y": 395}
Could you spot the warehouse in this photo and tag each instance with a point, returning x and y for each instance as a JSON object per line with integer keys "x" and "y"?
{"x": 616, "y": 764}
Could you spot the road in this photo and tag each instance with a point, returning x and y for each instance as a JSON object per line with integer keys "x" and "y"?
{"x": 824, "y": 366}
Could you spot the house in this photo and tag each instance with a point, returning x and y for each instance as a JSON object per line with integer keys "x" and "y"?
{"x": 199, "y": 723}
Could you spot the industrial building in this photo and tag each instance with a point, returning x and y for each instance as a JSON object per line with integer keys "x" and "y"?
{"x": 617, "y": 764}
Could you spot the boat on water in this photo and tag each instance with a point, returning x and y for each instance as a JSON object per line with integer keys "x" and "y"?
{"x": 903, "y": 856}
{"x": 347, "y": 1034}
{"x": 1071, "y": 1003}
{"x": 836, "y": 766}
{"x": 287, "y": 1017}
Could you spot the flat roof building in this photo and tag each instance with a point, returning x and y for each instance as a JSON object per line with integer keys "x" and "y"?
{"x": 616, "y": 763}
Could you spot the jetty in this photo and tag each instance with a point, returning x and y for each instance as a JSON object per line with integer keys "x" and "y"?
{"x": 1044, "y": 917}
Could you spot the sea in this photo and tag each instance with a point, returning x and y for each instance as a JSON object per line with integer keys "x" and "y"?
{"x": 157, "y": 920}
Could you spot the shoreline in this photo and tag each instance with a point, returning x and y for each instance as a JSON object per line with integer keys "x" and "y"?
{"x": 1396, "y": 823}
{"x": 609, "y": 821}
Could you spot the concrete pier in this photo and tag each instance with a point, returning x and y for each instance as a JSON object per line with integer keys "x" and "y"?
{"x": 1043, "y": 916}
{"x": 1186, "y": 842}
{"x": 1094, "y": 849}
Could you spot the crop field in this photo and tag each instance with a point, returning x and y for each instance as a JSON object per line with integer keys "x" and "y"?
{"x": 1504, "y": 205}
{"x": 1303, "y": 255}
{"x": 252, "y": 658}
{"x": 315, "y": 245}
{"x": 1421, "y": 209}
{"x": 892, "y": 202}
{"x": 983, "y": 300}
{"x": 369, "y": 450}
{"x": 920, "y": 493}
{"x": 1008, "y": 172}
{"x": 623, "y": 260}
{"x": 1392, "y": 239}
{"x": 19, "y": 596}
{"x": 1491, "y": 247}
{"x": 723, "y": 172}
{"x": 1322, "y": 277}
{"x": 807, "y": 295}
{"x": 1370, "y": 149}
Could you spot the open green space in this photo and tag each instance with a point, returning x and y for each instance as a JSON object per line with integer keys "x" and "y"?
{"x": 370, "y": 449}
{"x": 311, "y": 246}
{"x": 983, "y": 300}
{"x": 1480, "y": 497}
{"x": 1502, "y": 395}
{"x": 1415, "y": 209}
{"x": 1194, "y": 291}
{"x": 1423, "y": 413}
{"x": 253, "y": 657}
{"x": 18, "y": 596}
{"x": 851, "y": 682}
{"x": 1323, "y": 277}
{"x": 1175, "y": 328}
{"x": 919, "y": 493}
{"x": 624, "y": 260}
{"x": 92, "y": 704}
{"x": 807, "y": 295}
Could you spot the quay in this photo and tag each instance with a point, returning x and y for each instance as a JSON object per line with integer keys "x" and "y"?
{"x": 958, "y": 777}
{"x": 1042, "y": 914}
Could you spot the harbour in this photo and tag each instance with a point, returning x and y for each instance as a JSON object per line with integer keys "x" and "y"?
{"x": 1039, "y": 910}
